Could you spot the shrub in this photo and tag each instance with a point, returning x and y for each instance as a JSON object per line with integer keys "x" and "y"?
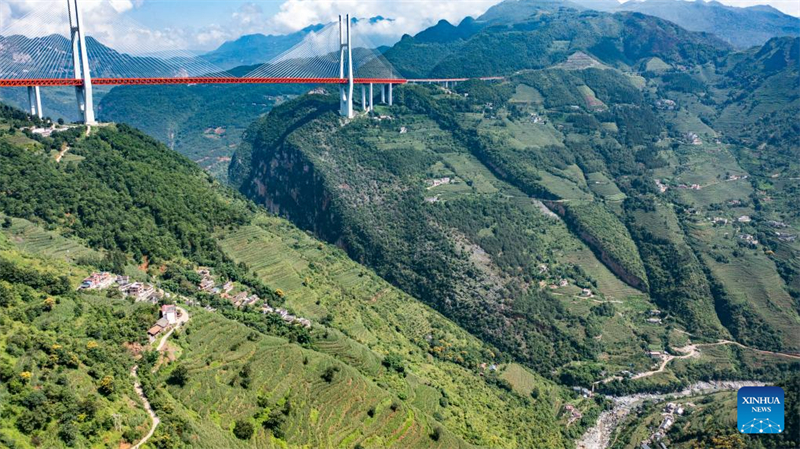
{"x": 179, "y": 376}
{"x": 329, "y": 372}
{"x": 243, "y": 430}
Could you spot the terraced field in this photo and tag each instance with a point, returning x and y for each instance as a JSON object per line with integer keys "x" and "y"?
{"x": 323, "y": 414}
{"x": 369, "y": 319}
{"x": 31, "y": 238}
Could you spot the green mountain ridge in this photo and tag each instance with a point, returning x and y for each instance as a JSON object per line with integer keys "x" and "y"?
{"x": 440, "y": 197}
{"x": 401, "y": 374}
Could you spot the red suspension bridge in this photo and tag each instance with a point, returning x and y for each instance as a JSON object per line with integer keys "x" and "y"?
{"x": 29, "y": 57}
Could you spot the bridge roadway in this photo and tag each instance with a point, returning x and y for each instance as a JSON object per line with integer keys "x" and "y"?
{"x": 190, "y": 80}
{"x": 223, "y": 80}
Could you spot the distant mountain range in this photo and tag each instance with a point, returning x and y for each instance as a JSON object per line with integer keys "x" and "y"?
{"x": 256, "y": 48}
{"x": 742, "y": 27}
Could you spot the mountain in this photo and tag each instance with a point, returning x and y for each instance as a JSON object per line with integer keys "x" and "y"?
{"x": 597, "y": 204}
{"x": 620, "y": 40}
{"x": 741, "y": 27}
{"x": 255, "y": 49}
{"x": 444, "y": 31}
{"x": 516, "y": 11}
{"x": 375, "y": 367}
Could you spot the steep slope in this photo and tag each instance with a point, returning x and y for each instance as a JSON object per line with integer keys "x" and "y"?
{"x": 401, "y": 375}
{"x": 741, "y": 27}
{"x": 202, "y": 122}
{"x": 439, "y": 195}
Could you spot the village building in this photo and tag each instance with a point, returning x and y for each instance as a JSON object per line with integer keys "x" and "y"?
{"x": 744, "y": 219}
{"x": 227, "y": 287}
{"x": 98, "y": 281}
{"x": 439, "y": 182}
{"x": 207, "y": 284}
{"x": 159, "y": 327}
{"x": 170, "y": 313}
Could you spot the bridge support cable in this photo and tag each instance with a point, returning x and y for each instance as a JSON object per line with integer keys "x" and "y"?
{"x": 35, "y": 101}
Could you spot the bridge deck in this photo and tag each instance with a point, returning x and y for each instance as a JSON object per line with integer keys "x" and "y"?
{"x": 189, "y": 80}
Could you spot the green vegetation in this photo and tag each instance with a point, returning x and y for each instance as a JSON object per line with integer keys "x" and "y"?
{"x": 377, "y": 367}
{"x": 441, "y": 199}
{"x": 203, "y": 122}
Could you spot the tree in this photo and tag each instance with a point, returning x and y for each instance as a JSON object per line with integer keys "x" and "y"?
{"x": 179, "y": 376}
{"x": 7, "y": 222}
{"x": 436, "y": 434}
{"x": 243, "y": 429}
{"x": 394, "y": 361}
{"x": 106, "y": 385}
{"x": 329, "y": 372}
{"x": 6, "y": 296}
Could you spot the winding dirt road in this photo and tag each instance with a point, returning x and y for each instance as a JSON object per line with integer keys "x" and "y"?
{"x": 182, "y": 319}
{"x": 692, "y": 351}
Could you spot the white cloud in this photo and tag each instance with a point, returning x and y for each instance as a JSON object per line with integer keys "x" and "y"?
{"x": 409, "y": 17}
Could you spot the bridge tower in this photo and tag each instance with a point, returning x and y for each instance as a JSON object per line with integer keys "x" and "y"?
{"x": 345, "y": 92}
{"x": 80, "y": 62}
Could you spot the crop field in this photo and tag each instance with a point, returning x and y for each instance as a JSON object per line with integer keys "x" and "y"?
{"x": 370, "y": 319}
{"x": 601, "y": 185}
{"x": 31, "y": 238}
{"x": 525, "y": 134}
{"x": 608, "y": 284}
{"x": 322, "y": 414}
{"x": 471, "y": 171}
{"x": 527, "y": 95}
{"x": 753, "y": 278}
{"x": 563, "y": 187}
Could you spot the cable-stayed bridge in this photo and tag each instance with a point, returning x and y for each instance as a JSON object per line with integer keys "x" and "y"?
{"x": 33, "y": 55}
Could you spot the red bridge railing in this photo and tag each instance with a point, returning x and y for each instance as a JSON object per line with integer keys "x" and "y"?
{"x": 190, "y": 80}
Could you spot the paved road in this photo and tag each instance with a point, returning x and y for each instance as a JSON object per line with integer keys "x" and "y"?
{"x": 182, "y": 319}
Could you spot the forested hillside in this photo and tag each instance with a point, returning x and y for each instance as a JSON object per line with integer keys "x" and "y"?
{"x": 578, "y": 216}
{"x": 202, "y": 122}
{"x": 375, "y": 367}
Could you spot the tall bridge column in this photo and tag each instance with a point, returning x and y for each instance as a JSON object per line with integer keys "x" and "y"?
{"x": 390, "y": 94}
{"x": 383, "y": 94}
{"x": 35, "y": 101}
{"x": 345, "y": 92}
{"x": 363, "y": 97}
{"x": 371, "y": 96}
{"x": 80, "y": 63}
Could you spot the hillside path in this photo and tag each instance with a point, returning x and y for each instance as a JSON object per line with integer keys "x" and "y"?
{"x": 182, "y": 319}
{"x": 691, "y": 351}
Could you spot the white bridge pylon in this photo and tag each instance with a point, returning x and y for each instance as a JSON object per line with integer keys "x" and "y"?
{"x": 33, "y": 55}
{"x": 80, "y": 61}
